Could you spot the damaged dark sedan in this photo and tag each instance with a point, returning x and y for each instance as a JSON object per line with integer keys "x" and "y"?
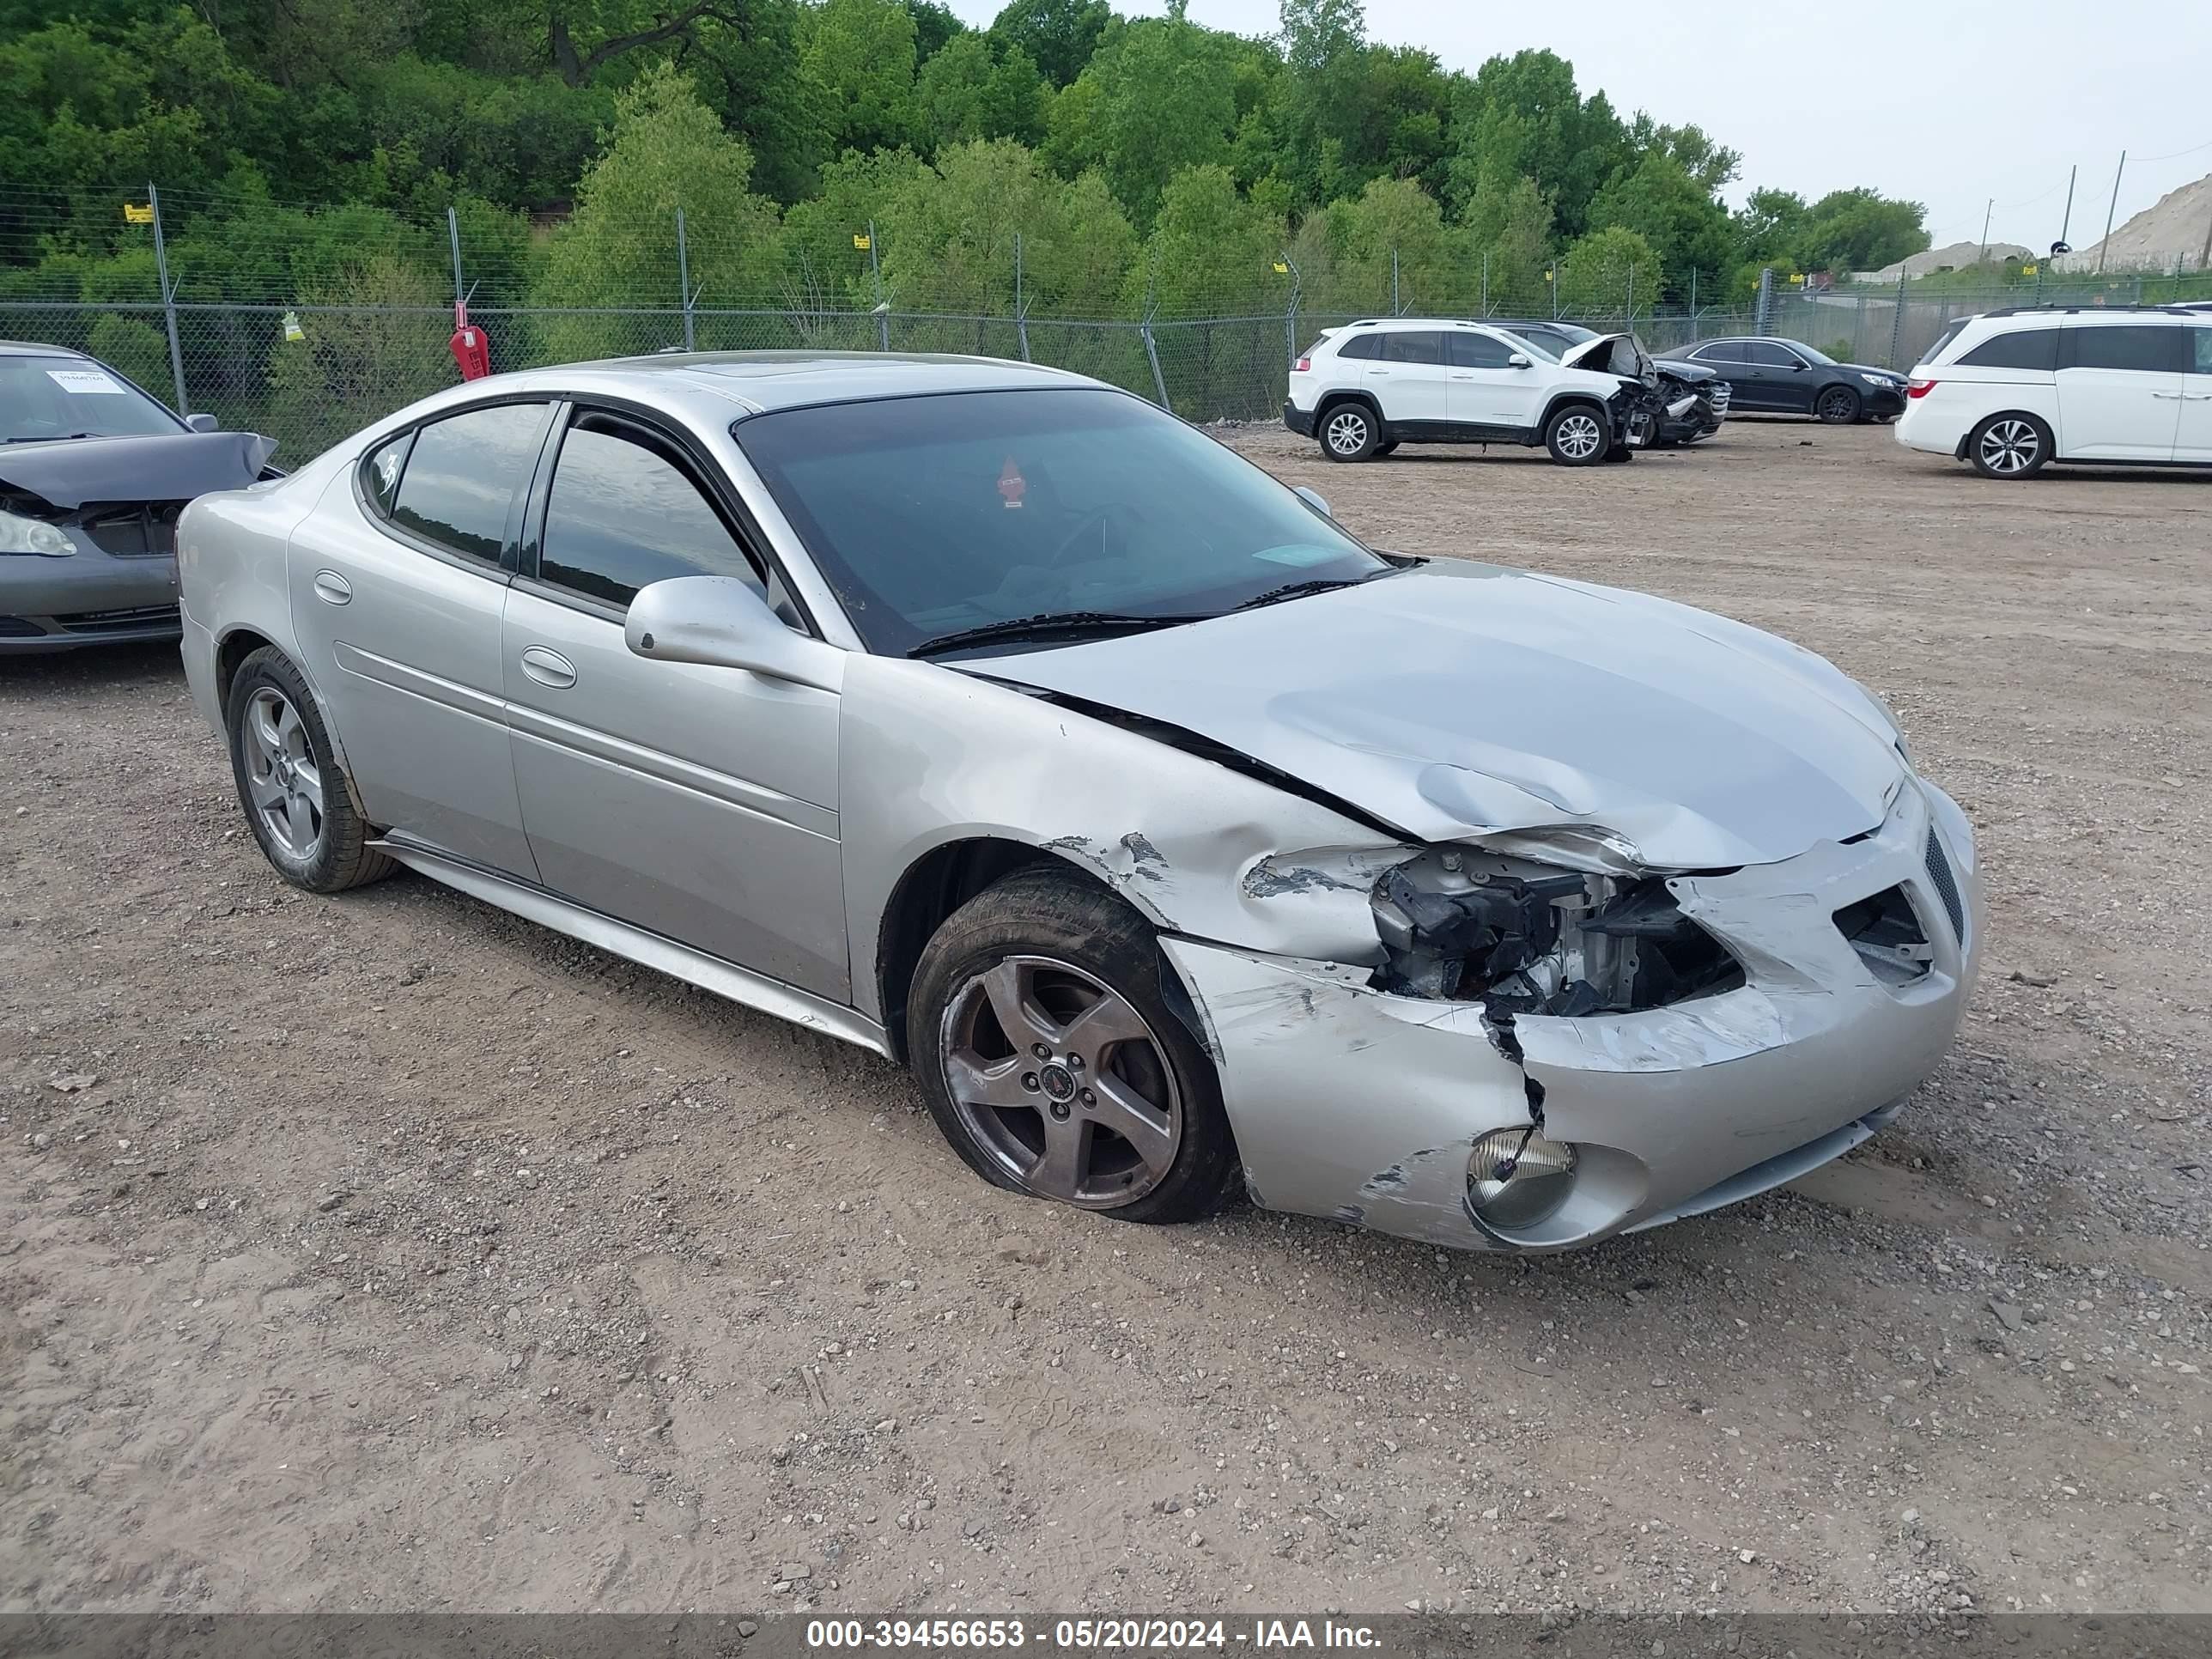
{"x": 93, "y": 474}
{"x": 997, "y": 721}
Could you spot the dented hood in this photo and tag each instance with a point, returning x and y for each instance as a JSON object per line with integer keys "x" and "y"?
{"x": 1456, "y": 699}
{"x": 167, "y": 467}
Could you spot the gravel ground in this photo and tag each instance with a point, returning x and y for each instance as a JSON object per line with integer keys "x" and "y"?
{"x": 388, "y": 1252}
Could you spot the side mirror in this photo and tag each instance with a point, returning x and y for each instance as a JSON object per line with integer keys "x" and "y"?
{"x": 724, "y": 623}
{"x": 1315, "y": 500}
{"x": 1520, "y": 360}
{"x": 1797, "y": 365}
{"x": 202, "y": 422}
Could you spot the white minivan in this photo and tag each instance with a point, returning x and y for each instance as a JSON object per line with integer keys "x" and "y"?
{"x": 2011, "y": 391}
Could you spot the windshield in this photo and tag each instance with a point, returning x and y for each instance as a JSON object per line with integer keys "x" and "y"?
{"x": 74, "y": 397}
{"x": 933, "y": 515}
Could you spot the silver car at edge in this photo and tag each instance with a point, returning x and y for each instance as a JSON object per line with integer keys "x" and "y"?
{"x": 992, "y": 719}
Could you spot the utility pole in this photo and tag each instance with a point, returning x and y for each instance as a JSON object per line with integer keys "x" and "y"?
{"x": 1983, "y": 257}
{"x": 2104, "y": 247}
{"x": 2204, "y": 254}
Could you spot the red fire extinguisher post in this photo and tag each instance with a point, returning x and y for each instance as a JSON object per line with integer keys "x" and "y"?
{"x": 471, "y": 346}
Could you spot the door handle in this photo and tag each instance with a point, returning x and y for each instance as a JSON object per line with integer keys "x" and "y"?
{"x": 1463, "y": 377}
{"x": 332, "y": 588}
{"x": 2169, "y": 396}
{"x": 548, "y": 667}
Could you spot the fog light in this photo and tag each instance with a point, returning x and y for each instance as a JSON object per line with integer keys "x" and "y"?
{"x": 1517, "y": 1178}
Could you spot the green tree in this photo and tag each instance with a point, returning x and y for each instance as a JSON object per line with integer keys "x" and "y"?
{"x": 665, "y": 151}
{"x": 383, "y": 347}
{"x": 862, "y": 54}
{"x": 1859, "y": 229}
{"x": 1674, "y": 214}
{"x": 1159, "y": 96}
{"x": 1059, "y": 35}
{"x": 822, "y": 267}
{"x": 973, "y": 90}
{"x": 1396, "y": 217}
{"x": 1607, "y": 270}
{"x": 1522, "y": 117}
{"x": 1211, "y": 252}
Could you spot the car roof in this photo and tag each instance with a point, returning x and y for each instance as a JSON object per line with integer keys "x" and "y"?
{"x": 33, "y": 348}
{"x": 1420, "y": 322}
{"x": 2056, "y": 316}
{"x": 761, "y": 381}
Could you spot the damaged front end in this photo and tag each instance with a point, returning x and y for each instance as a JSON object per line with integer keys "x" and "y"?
{"x": 1539, "y": 1056}
{"x": 1521, "y": 939}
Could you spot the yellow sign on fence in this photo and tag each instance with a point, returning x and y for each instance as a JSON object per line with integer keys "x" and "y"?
{"x": 859, "y": 241}
{"x": 1281, "y": 270}
{"x": 133, "y": 213}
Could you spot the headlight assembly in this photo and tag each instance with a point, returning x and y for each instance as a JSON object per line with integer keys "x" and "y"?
{"x": 21, "y": 535}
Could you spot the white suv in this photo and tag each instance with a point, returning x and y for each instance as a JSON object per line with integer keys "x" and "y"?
{"x": 1366, "y": 388}
{"x": 2011, "y": 391}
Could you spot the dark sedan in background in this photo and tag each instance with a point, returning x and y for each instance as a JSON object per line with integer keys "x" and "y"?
{"x": 1707, "y": 392}
{"x": 1781, "y": 377}
{"x": 93, "y": 474}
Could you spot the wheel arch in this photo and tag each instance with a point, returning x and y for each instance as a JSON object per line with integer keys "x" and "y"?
{"x": 1340, "y": 396}
{"x": 946, "y": 877}
{"x": 233, "y": 647}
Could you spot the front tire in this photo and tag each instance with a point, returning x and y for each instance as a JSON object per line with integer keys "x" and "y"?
{"x": 1350, "y": 432}
{"x": 2010, "y": 446}
{"x": 290, "y": 781}
{"x": 1577, "y": 435}
{"x": 1050, "y": 1059}
{"x": 1838, "y": 406}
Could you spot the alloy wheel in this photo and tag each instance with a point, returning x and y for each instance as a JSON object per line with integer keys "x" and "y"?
{"x": 1060, "y": 1081}
{"x": 2010, "y": 447}
{"x": 281, "y": 774}
{"x": 1579, "y": 436}
{"x": 1347, "y": 432}
{"x": 1838, "y": 406}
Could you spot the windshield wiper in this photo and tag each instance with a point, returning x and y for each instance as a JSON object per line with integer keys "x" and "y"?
{"x": 1051, "y": 625}
{"x": 50, "y": 437}
{"x": 1299, "y": 590}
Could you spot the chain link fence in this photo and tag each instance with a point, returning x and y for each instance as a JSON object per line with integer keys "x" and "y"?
{"x": 308, "y": 327}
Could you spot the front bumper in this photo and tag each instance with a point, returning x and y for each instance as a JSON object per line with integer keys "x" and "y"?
{"x": 1362, "y": 1106}
{"x": 88, "y": 598}
{"x": 1884, "y": 403}
{"x": 1300, "y": 421}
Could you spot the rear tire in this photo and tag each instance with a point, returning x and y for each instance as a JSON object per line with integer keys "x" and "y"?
{"x": 1576, "y": 436}
{"x": 1051, "y": 1061}
{"x": 2010, "y": 446}
{"x": 1350, "y": 432}
{"x": 1839, "y": 406}
{"x": 289, "y": 780}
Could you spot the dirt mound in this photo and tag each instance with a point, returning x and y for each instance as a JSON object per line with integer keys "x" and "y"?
{"x": 2171, "y": 231}
{"x": 1956, "y": 257}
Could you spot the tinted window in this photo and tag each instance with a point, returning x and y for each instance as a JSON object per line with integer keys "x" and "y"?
{"x": 2023, "y": 348}
{"x": 379, "y": 477}
{"x": 932, "y": 515}
{"x": 1479, "y": 351}
{"x": 2155, "y": 350}
{"x": 69, "y": 396}
{"x": 462, "y": 476}
{"x": 2201, "y": 362}
{"x": 1362, "y": 346}
{"x": 1728, "y": 351}
{"x": 1767, "y": 356}
{"x": 1410, "y": 347}
{"x": 1950, "y": 333}
{"x": 624, "y": 512}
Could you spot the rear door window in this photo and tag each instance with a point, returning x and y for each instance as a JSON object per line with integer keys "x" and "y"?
{"x": 1766, "y": 355}
{"x": 2145, "y": 348}
{"x": 2020, "y": 347}
{"x": 1728, "y": 351}
{"x": 2200, "y": 360}
{"x": 1413, "y": 346}
{"x": 461, "y": 479}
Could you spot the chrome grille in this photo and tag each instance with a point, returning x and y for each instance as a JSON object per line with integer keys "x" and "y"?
{"x": 1945, "y": 886}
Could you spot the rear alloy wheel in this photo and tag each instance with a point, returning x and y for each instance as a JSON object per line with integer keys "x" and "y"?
{"x": 1349, "y": 432}
{"x": 289, "y": 781}
{"x": 1052, "y": 1062}
{"x": 1839, "y": 406}
{"x": 1576, "y": 436}
{"x": 2010, "y": 446}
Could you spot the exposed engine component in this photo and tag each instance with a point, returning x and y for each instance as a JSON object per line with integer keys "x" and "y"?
{"x": 1524, "y": 938}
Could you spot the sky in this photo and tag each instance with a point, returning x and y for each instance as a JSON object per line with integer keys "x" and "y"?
{"x": 1944, "y": 102}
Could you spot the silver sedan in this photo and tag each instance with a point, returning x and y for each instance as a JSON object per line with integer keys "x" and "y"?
{"x": 989, "y": 718}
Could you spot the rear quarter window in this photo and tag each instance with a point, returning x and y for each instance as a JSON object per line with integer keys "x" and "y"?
{"x": 2033, "y": 349}
{"x": 1361, "y": 346}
